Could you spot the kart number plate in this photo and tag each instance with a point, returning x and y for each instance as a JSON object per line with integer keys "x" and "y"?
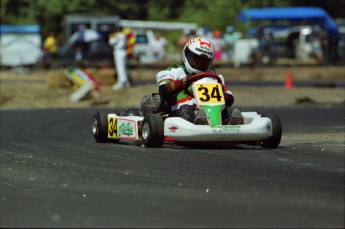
{"x": 122, "y": 128}
{"x": 112, "y": 128}
{"x": 209, "y": 93}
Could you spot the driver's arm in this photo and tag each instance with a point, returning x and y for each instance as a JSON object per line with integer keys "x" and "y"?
{"x": 168, "y": 82}
{"x": 169, "y": 87}
{"x": 228, "y": 97}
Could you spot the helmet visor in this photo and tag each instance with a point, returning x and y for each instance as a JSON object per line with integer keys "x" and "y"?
{"x": 199, "y": 62}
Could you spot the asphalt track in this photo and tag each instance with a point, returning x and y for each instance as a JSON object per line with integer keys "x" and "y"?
{"x": 53, "y": 174}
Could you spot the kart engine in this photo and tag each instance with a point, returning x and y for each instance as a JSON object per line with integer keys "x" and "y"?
{"x": 152, "y": 104}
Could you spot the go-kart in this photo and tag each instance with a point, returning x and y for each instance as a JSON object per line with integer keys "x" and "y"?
{"x": 153, "y": 124}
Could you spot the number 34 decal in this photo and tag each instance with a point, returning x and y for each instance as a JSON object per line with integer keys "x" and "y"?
{"x": 209, "y": 93}
{"x": 112, "y": 127}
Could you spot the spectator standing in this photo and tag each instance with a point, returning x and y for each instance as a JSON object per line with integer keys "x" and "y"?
{"x": 316, "y": 43}
{"x": 118, "y": 41}
{"x": 158, "y": 47}
{"x": 230, "y": 37}
{"x": 80, "y": 45}
{"x": 50, "y": 47}
{"x": 208, "y": 34}
{"x": 185, "y": 36}
{"x": 218, "y": 44}
{"x": 263, "y": 47}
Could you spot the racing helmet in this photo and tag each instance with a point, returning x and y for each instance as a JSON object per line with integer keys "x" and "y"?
{"x": 198, "y": 55}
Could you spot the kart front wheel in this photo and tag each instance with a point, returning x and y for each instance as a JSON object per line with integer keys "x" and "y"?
{"x": 274, "y": 140}
{"x": 152, "y": 130}
{"x": 100, "y": 127}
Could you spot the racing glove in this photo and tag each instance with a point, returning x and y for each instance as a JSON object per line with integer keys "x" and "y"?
{"x": 166, "y": 90}
{"x": 176, "y": 85}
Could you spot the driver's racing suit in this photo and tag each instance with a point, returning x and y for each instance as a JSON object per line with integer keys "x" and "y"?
{"x": 171, "y": 84}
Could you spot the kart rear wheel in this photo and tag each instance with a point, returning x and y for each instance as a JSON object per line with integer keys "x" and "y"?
{"x": 100, "y": 127}
{"x": 152, "y": 130}
{"x": 274, "y": 140}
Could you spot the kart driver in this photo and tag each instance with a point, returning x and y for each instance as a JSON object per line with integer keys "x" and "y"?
{"x": 197, "y": 55}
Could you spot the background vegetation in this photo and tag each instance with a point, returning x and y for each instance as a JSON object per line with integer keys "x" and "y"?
{"x": 217, "y": 14}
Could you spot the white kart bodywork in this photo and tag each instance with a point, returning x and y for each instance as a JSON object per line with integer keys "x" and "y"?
{"x": 115, "y": 124}
{"x": 255, "y": 128}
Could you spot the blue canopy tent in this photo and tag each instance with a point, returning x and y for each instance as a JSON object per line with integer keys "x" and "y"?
{"x": 314, "y": 15}
{"x": 19, "y": 29}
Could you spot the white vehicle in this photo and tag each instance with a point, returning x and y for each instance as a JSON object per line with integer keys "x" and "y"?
{"x": 142, "y": 50}
{"x": 154, "y": 126}
{"x": 292, "y": 42}
{"x": 243, "y": 51}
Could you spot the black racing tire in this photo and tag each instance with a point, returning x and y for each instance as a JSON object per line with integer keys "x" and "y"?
{"x": 273, "y": 141}
{"x": 152, "y": 130}
{"x": 100, "y": 128}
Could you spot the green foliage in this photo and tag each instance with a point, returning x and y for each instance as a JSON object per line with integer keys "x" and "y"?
{"x": 217, "y": 14}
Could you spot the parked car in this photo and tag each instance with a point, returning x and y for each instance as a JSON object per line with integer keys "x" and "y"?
{"x": 284, "y": 42}
{"x": 98, "y": 51}
{"x": 94, "y": 53}
{"x": 142, "y": 49}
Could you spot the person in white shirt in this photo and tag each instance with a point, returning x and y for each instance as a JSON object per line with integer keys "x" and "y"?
{"x": 118, "y": 42}
{"x": 158, "y": 47}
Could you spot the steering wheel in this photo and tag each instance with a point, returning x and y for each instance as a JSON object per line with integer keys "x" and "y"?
{"x": 193, "y": 78}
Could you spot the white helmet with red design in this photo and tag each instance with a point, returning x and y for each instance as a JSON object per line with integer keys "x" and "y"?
{"x": 198, "y": 55}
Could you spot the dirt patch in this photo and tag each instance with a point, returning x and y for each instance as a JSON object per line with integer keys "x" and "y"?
{"x": 51, "y": 89}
